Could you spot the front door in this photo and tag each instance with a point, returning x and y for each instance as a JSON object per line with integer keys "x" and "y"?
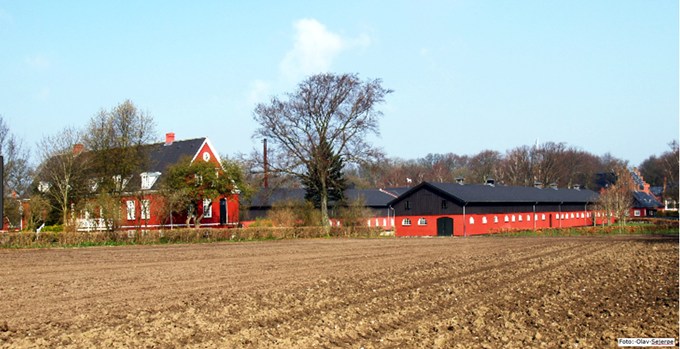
{"x": 223, "y": 211}
{"x": 444, "y": 226}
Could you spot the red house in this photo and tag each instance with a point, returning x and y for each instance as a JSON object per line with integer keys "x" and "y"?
{"x": 141, "y": 203}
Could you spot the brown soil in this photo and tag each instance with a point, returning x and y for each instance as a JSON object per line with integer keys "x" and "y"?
{"x": 484, "y": 292}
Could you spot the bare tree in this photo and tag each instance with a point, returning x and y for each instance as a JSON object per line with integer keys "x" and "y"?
{"x": 339, "y": 110}
{"x": 63, "y": 171}
{"x": 17, "y": 171}
{"x": 115, "y": 140}
{"x": 485, "y": 165}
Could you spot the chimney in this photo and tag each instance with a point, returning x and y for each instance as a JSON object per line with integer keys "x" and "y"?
{"x": 577, "y": 186}
{"x": 553, "y": 185}
{"x": 77, "y": 149}
{"x": 169, "y": 138}
{"x": 460, "y": 180}
{"x": 490, "y": 182}
{"x": 538, "y": 185}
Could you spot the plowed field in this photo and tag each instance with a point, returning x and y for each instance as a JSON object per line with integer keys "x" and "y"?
{"x": 485, "y": 292}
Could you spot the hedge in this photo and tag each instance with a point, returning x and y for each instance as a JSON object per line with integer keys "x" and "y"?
{"x": 63, "y": 239}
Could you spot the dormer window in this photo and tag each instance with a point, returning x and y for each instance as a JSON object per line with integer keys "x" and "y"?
{"x": 94, "y": 184}
{"x": 43, "y": 187}
{"x": 149, "y": 179}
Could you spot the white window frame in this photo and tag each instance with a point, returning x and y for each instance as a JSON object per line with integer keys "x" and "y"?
{"x": 406, "y": 222}
{"x": 507, "y": 219}
{"x": 513, "y": 218}
{"x": 519, "y": 217}
{"x": 422, "y": 221}
{"x": 145, "y": 208}
{"x": 472, "y": 220}
{"x": 495, "y": 219}
{"x": 206, "y": 203}
{"x": 637, "y": 213}
{"x": 543, "y": 217}
{"x": 130, "y": 210}
{"x": 484, "y": 220}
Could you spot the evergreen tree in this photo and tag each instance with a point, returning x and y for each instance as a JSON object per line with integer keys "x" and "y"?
{"x": 333, "y": 179}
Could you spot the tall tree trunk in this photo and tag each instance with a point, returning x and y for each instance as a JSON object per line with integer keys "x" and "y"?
{"x": 324, "y": 207}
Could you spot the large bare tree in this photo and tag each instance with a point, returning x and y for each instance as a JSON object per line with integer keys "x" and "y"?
{"x": 339, "y": 110}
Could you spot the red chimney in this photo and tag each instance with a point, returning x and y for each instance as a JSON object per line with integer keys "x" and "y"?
{"x": 77, "y": 149}
{"x": 169, "y": 138}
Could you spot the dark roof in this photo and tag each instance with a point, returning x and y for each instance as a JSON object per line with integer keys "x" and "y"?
{"x": 478, "y": 193}
{"x": 372, "y": 197}
{"x": 161, "y": 156}
{"x": 645, "y": 200}
{"x": 268, "y": 196}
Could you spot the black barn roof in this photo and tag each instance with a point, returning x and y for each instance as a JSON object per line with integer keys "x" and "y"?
{"x": 478, "y": 193}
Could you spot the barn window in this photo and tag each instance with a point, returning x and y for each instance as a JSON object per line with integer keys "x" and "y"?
{"x": 513, "y": 218}
{"x": 495, "y": 219}
{"x": 406, "y": 222}
{"x": 384, "y": 222}
{"x": 519, "y": 218}
{"x": 422, "y": 221}
{"x": 506, "y": 219}
{"x": 543, "y": 217}
{"x": 377, "y": 223}
{"x": 637, "y": 213}
{"x": 528, "y": 218}
{"x": 572, "y": 216}
{"x": 583, "y": 215}
{"x": 472, "y": 220}
{"x": 535, "y": 217}
{"x": 445, "y": 205}
{"x": 407, "y": 205}
{"x": 484, "y": 220}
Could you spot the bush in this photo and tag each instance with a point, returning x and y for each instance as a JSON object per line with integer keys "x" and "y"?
{"x": 53, "y": 228}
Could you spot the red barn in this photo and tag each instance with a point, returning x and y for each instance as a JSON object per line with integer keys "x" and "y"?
{"x": 458, "y": 209}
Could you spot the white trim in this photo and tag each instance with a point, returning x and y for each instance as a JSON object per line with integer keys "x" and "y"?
{"x": 212, "y": 150}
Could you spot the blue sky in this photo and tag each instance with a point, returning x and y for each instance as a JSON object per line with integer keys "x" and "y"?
{"x": 467, "y": 75}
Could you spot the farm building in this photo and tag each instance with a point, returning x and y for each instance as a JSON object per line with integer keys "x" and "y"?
{"x": 459, "y": 209}
{"x": 140, "y": 202}
{"x": 645, "y": 204}
{"x": 376, "y": 200}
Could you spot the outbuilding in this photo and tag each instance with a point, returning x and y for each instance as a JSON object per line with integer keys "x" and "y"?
{"x": 459, "y": 209}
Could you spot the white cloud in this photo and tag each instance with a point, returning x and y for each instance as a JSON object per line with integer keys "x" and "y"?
{"x": 259, "y": 91}
{"x": 39, "y": 62}
{"x": 314, "y": 49}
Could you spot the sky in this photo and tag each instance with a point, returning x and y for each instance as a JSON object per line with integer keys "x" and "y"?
{"x": 467, "y": 75}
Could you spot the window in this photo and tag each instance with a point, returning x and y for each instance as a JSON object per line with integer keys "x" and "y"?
{"x": 484, "y": 220}
{"x": 405, "y": 222}
{"x": 528, "y": 218}
{"x": 207, "y": 208}
{"x": 513, "y": 218}
{"x": 637, "y": 213}
{"x": 572, "y": 216}
{"x": 506, "y": 219}
{"x": 535, "y": 217}
{"x": 519, "y": 217}
{"x": 422, "y": 221}
{"x": 149, "y": 179}
{"x": 145, "y": 214}
{"x": 543, "y": 217}
{"x": 43, "y": 187}
{"x": 384, "y": 222}
{"x": 445, "y": 204}
{"x": 407, "y": 205}
{"x": 368, "y": 222}
{"x": 130, "y": 210}
{"x": 495, "y": 219}
{"x": 472, "y": 220}
{"x": 377, "y": 224}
